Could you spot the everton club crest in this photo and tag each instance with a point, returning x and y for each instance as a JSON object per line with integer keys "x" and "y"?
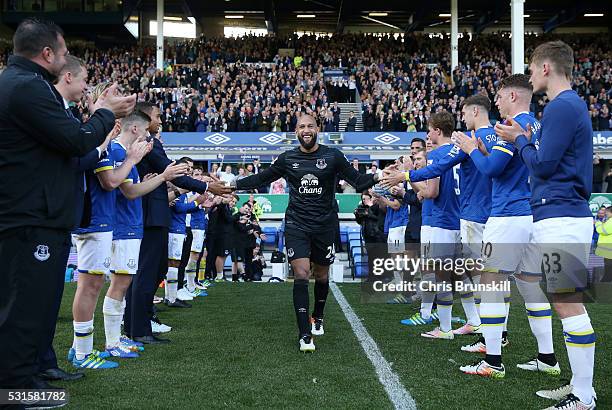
{"x": 321, "y": 164}
{"x": 42, "y": 253}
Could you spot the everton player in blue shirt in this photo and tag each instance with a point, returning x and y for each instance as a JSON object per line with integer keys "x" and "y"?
{"x": 444, "y": 234}
{"x": 560, "y": 171}
{"x": 474, "y": 192}
{"x": 507, "y": 236}
{"x": 103, "y": 249}
{"x": 128, "y": 228}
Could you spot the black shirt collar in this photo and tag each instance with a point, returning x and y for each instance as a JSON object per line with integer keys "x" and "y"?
{"x": 30, "y": 66}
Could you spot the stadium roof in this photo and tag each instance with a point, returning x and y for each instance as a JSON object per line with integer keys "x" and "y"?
{"x": 405, "y": 14}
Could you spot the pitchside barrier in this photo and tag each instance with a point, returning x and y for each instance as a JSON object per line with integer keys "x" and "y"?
{"x": 244, "y": 146}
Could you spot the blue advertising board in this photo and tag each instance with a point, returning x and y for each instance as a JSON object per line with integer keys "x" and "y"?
{"x": 248, "y": 145}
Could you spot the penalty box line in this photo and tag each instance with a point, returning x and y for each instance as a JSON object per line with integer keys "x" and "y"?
{"x": 399, "y": 396}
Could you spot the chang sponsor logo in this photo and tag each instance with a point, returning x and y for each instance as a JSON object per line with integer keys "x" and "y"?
{"x": 310, "y": 185}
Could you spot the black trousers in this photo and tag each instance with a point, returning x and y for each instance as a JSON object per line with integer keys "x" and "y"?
{"x": 152, "y": 266}
{"x": 210, "y": 271}
{"x": 47, "y": 358}
{"x": 248, "y": 262}
{"x": 185, "y": 257}
{"x": 32, "y": 277}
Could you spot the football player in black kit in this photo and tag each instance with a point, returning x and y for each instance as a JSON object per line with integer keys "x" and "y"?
{"x": 310, "y": 219}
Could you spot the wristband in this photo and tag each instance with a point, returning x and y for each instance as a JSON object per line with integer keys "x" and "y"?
{"x": 177, "y": 193}
{"x": 407, "y": 176}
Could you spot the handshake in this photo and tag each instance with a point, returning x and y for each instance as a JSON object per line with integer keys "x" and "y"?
{"x": 221, "y": 188}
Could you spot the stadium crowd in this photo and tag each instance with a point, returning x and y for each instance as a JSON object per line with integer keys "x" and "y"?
{"x": 134, "y": 195}
{"x": 242, "y": 84}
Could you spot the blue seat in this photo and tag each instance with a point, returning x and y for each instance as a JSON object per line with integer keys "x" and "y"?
{"x": 360, "y": 265}
{"x": 271, "y": 236}
{"x": 354, "y": 243}
{"x": 360, "y": 258}
{"x": 354, "y": 235}
{"x": 343, "y": 235}
{"x": 361, "y": 270}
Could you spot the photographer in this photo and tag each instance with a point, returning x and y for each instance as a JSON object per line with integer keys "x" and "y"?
{"x": 220, "y": 225}
{"x": 258, "y": 264}
{"x": 369, "y": 216}
{"x": 253, "y": 232}
{"x": 242, "y": 231}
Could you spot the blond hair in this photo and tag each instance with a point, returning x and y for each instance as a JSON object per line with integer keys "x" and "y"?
{"x": 99, "y": 89}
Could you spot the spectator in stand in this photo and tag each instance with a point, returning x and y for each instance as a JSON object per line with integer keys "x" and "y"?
{"x": 369, "y": 119}
{"x": 604, "y": 118}
{"x": 241, "y": 174}
{"x": 609, "y": 182}
{"x": 598, "y": 170}
{"x": 351, "y": 123}
{"x": 214, "y": 169}
{"x": 329, "y": 125}
{"x": 336, "y": 110}
{"x": 276, "y": 124}
{"x": 409, "y": 75}
{"x": 201, "y": 123}
{"x": 279, "y": 186}
{"x": 374, "y": 170}
{"x": 228, "y": 176}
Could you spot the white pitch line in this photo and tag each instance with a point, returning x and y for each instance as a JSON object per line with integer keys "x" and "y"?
{"x": 399, "y": 396}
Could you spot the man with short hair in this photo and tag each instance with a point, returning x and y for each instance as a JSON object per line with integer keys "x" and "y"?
{"x": 153, "y": 259}
{"x": 444, "y": 232}
{"x": 228, "y": 176}
{"x": 506, "y": 239}
{"x": 72, "y": 85}
{"x": 416, "y": 145}
{"x": 311, "y": 222}
{"x": 128, "y": 230}
{"x": 111, "y": 244}
{"x": 351, "y": 123}
{"x": 37, "y": 183}
{"x": 560, "y": 176}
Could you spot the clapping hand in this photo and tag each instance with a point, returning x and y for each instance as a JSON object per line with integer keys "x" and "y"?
{"x": 138, "y": 150}
{"x": 467, "y": 144}
{"x": 510, "y": 132}
{"x": 112, "y": 100}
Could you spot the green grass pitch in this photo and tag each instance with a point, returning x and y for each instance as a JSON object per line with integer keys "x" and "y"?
{"x": 237, "y": 348}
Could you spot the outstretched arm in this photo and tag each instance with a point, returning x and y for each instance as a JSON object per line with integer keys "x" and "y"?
{"x": 265, "y": 177}
{"x": 358, "y": 180}
{"x": 454, "y": 157}
{"x": 133, "y": 191}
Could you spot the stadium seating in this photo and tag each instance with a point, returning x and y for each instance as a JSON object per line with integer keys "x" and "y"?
{"x": 271, "y": 233}
{"x": 400, "y": 99}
